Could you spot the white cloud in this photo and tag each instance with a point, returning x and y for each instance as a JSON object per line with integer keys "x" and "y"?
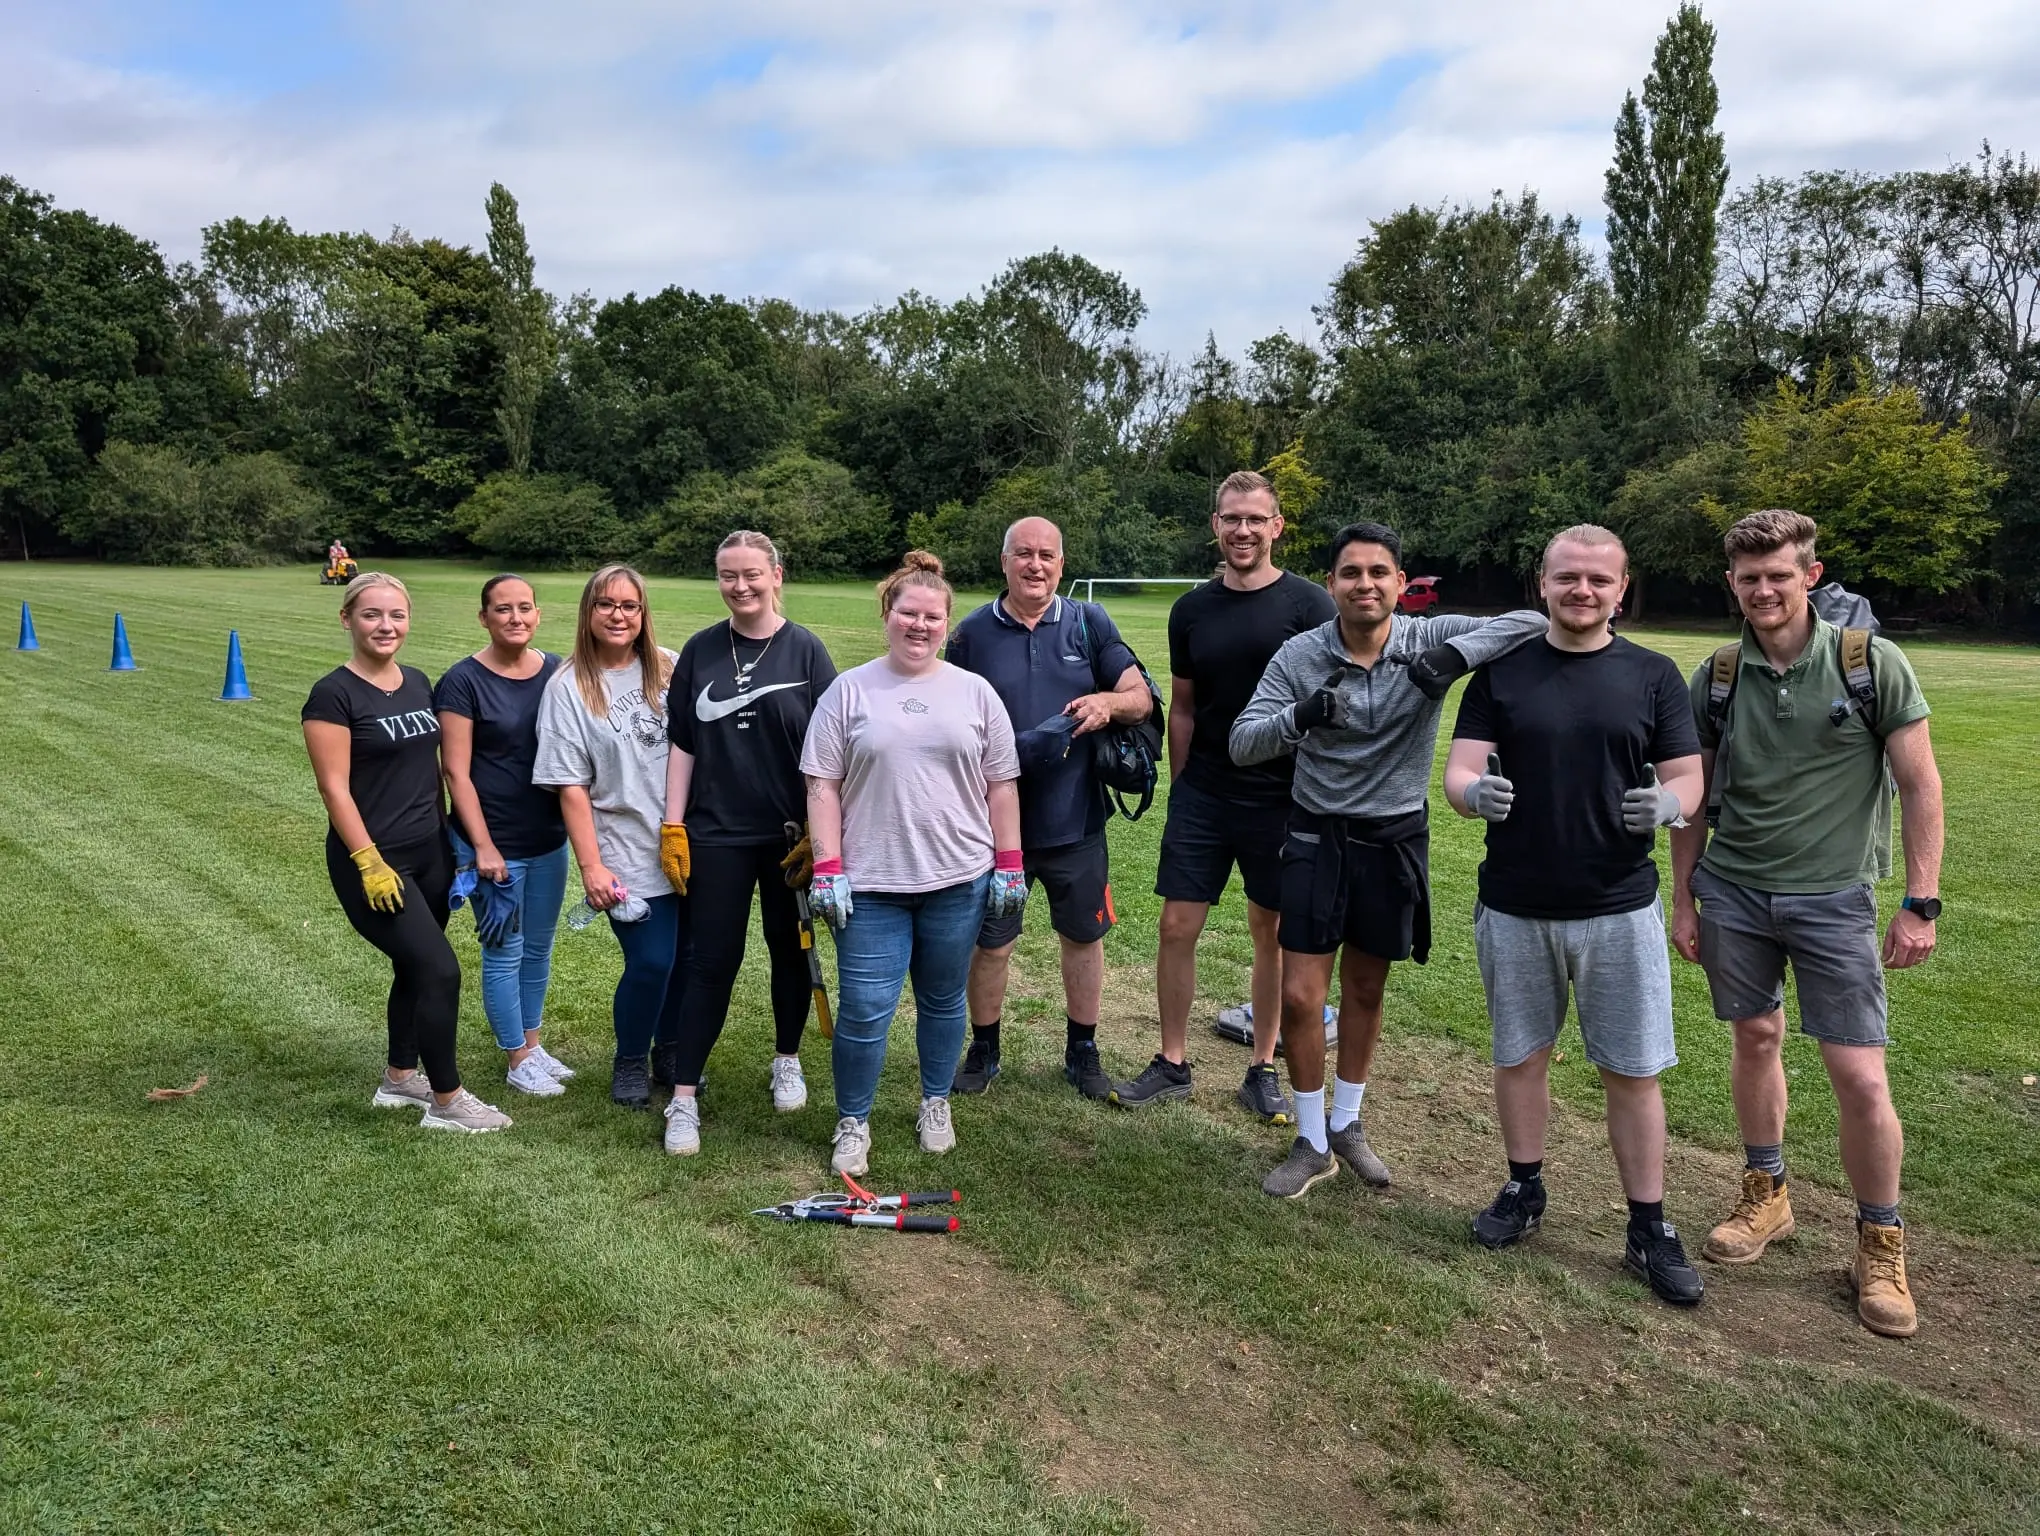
{"x": 1224, "y": 156}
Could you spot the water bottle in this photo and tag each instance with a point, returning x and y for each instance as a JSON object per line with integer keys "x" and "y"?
{"x": 580, "y": 915}
{"x": 632, "y": 909}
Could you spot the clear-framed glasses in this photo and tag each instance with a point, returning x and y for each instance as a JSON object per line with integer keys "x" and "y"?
{"x": 629, "y": 607}
{"x": 1233, "y": 522}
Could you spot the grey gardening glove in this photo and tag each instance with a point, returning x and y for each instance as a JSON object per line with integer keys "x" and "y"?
{"x": 1490, "y": 796}
{"x": 1647, "y": 807}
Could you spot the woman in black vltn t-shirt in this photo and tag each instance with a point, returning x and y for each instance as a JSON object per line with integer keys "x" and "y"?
{"x": 741, "y": 697}
{"x": 374, "y": 745}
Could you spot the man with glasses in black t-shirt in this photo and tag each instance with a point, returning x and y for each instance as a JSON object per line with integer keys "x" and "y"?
{"x": 1575, "y": 749}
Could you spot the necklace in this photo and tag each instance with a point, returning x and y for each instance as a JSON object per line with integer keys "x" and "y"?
{"x": 744, "y": 669}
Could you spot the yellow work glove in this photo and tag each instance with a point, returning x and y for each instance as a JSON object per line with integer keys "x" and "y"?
{"x": 799, "y": 863}
{"x": 383, "y": 885}
{"x": 674, "y": 857}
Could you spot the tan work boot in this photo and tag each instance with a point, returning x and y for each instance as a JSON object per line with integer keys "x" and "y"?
{"x": 1883, "y": 1299}
{"x": 1760, "y": 1218}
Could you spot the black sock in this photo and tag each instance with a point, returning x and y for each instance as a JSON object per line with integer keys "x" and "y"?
{"x": 1527, "y": 1173}
{"x": 1643, "y": 1212}
{"x": 987, "y": 1034}
{"x": 1080, "y": 1034}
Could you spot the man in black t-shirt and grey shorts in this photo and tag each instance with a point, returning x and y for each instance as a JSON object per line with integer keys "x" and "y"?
{"x": 1575, "y": 749}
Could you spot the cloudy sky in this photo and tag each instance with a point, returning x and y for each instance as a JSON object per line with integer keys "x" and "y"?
{"x": 1224, "y": 156}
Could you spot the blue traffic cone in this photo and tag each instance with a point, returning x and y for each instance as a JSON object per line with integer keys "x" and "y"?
{"x": 28, "y": 641}
{"x": 123, "y": 658}
{"x": 236, "y": 686}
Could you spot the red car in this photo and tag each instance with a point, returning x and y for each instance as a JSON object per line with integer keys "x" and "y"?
{"x": 1421, "y": 595}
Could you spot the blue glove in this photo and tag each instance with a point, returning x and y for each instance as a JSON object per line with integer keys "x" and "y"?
{"x": 829, "y": 899}
{"x": 499, "y": 909}
{"x": 1008, "y": 894}
{"x": 464, "y": 876}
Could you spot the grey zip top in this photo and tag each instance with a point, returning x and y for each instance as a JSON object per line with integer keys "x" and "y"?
{"x": 1378, "y": 763}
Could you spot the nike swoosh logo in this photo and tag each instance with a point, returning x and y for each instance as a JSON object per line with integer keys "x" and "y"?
{"x": 706, "y": 708}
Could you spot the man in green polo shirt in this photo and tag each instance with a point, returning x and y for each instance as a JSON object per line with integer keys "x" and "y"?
{"x": 1796, "y": 765}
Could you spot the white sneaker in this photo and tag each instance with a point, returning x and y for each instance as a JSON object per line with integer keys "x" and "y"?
{"x": 530, "y": 1076}
{"x": 465, "y": 1113}
{"x": 558, "y": 1070}
{"x": 789, "y": 1085}
{"x": 938, "y": 1134}
{"x": 413, "y": 1092}
{"x": 853, "y": 1146}
{"x": 683, "y": 1125}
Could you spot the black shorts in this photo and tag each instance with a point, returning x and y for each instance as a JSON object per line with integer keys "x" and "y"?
{"x": 1079, "y": 894}
{"x": 1346, "y": 882}
{"x": 1205, "y": 836}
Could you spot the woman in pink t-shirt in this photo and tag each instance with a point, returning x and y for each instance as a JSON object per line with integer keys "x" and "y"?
{"x": 915, "y": 815}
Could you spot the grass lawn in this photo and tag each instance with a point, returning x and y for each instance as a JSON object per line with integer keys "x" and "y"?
{"x": 270, "y": 1308}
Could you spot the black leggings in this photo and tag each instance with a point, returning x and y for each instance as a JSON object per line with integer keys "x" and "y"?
{"x": 719, "y": 892}
{"x": 425, "y": 991}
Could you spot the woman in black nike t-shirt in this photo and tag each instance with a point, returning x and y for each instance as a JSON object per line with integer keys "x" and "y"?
{"x": 741, "y": 696}
{"x": 374, "y": 744}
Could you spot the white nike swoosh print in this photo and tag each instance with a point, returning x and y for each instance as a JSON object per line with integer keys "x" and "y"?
{"x": 706, "y": 708}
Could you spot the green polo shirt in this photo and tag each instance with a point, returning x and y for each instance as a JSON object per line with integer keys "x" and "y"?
{"x": 1804, "y": 803}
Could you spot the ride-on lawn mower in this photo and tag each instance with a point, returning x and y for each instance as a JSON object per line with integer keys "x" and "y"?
{"x": 338, "y": 573}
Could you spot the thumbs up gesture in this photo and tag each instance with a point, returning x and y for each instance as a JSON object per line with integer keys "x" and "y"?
{"x": 1648, "y": 807}
{"x": 1490, "y": 796}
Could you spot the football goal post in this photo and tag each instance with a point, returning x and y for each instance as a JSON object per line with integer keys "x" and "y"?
{"x": 1086, "y": 587}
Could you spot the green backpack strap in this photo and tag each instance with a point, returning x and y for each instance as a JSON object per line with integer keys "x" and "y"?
{"x": 1722, "y": 672}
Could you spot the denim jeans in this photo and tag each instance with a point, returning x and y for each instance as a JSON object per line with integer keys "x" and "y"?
{"x": 654, "y": 980}
{"x": 930, "y": 936}
{"x": 516, "y": 973}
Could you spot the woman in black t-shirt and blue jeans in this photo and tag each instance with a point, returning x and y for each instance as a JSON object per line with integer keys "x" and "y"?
{"x": 488, "y": 719}
{"x": 742, "y": 693}
{"x": 374, "y": 744}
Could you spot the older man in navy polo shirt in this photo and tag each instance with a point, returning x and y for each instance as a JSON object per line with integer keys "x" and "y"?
{"x": 1047, "y": 657}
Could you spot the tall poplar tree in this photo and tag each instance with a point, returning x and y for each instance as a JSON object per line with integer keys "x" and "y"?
{"x": 1663, "y": 192}
{"x": 523, "y": 323}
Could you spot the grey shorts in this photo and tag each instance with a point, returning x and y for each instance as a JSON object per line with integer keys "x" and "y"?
{"x": 1619, "y": 973}
{"x": 1830, "y": 939}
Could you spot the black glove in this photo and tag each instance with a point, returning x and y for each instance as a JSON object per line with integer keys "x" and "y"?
{"x": 1437, "y": 669}
{"x": 1321, "y": 707}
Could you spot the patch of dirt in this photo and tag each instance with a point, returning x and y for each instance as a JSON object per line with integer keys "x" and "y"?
{"x": 1184, "y": 1427}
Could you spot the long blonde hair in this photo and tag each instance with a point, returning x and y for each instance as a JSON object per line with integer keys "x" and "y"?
{"x": 588, "y": 666}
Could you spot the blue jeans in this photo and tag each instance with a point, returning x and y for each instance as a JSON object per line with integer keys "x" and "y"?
{"x": 516, "y": 973}
{"x": 931, "y": 937}
{"x": 654, "y": 980}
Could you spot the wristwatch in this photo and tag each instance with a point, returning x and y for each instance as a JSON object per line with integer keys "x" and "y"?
{"x": 1926, "y": 908}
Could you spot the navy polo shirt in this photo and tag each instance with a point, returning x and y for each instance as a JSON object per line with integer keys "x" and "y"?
{"x": 1036, "y": 673}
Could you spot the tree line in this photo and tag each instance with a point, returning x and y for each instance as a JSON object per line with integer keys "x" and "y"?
{"x": 1864, "y": 348}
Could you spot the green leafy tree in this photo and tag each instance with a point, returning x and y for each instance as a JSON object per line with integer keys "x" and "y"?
{"x": 1901, "y": 500}
{"x": 542, "y": 520}
{"x": 811, "y": 508}
{"x": 1663, "y": 193}
{"x": 524, "y": 328}
{"x": 1215, "y": 433}
{"x": 155, "y": 505}
{"x": 1669, "y": 519}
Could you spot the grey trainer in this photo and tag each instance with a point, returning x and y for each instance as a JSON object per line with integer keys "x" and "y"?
{"x": 1350, "y": 1147}
{"x": 1300, "y": 1171}
{"x": 464, "y": 1113}
{"x": 851, "y": 1146}
{"x": 413, "y": 1092}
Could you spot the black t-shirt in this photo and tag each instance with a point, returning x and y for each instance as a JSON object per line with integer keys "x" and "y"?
{"x": 524, "y": 819}
{"x": 1221, "y": 641}
{"x": 393, "y": 765}
{"x": 1574, "y": 731}
{"x": 743, "y": 719}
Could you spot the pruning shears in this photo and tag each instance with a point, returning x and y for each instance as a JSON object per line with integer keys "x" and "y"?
{"x": 859, "y": 1207}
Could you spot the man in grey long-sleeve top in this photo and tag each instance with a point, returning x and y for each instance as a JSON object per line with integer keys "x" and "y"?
{"x": 1355, "y": 864}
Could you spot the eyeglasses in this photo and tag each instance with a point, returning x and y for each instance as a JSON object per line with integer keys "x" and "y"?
{"x": 1232, "y": 522}
{"x": 624, "y": 606}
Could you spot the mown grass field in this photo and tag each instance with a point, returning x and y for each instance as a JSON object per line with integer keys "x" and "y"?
{"x": 270, "y": 1308}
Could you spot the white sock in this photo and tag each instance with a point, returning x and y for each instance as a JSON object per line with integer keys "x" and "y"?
{"x": 1346, "y": 1102}
{"x": 1310, "y": 1118}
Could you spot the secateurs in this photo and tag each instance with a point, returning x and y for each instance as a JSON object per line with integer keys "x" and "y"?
{"x": 859, "y": 1207}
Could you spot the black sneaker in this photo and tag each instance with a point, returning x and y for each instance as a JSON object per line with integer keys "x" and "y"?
{"x": 629, "y": 1083}
{"x": 1654, "y": 1255}
{"x": 1082, "y": 1068}
{"x": 980, "y": 1066}
{"x": 1261, "y": 1094}
{"x": 1160, "y": 1079}
{"x": 665, "y": 1064}
{"x": 1517, "y": 1212}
